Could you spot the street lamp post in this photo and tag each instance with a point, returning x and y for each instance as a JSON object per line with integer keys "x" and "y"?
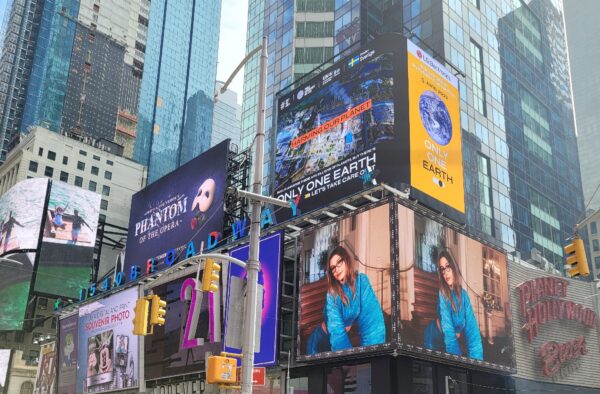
{"x": 253, "y": 265}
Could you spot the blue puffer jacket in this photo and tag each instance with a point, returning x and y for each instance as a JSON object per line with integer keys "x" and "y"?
{"x": 363, "y": 310}
{"x": 463, "y": 322}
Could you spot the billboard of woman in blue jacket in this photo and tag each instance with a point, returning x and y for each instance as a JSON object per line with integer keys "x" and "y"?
{"x": 350, "y": 300}
{"x": 456, "y": 320}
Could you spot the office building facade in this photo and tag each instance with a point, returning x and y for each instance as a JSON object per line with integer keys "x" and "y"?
{"x": 176, "y": 100}
{"x": 227, "y": 117}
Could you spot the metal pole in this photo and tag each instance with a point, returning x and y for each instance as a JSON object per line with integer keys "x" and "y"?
{"x": 253, "y": 264}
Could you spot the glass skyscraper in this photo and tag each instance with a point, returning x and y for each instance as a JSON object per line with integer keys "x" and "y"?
{"x": 522, "y": 180}
{"x": 176, "y": 100}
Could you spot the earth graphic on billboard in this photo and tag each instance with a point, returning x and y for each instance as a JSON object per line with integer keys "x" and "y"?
{"x": 435, "y": 117}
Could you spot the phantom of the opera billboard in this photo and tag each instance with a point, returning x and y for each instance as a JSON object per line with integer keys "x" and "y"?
{"x": 183, "y": 208}
{"x": 379, "y": 115}
{"x": 69, "y": 236}
{"x": 454, "y": 300}
{"x": 107, "y": 350}
{"x": 345, "y": 286}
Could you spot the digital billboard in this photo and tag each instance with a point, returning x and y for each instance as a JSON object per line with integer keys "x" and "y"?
{"x": 387, "y": 113}
{"x": 69, "y": 236}
{"x": 435, "y": 132}
{"x": 454, "y": 299}
{"x": 267, "y": 334}
{"x": 67, "y": 354}
{"x": 345, "y": 286}
{"x": 167, "y": 352}
{"x": 107, "y": 350}
{"x": 15, "y": 279}
{"x": 330, "y": 131}
{"x": 184, "y": 206}
{"x": 45, "y": 381}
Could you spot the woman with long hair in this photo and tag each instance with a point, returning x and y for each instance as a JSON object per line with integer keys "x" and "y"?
{"x": 456, "y": 321}
{"x": 350, "y": 300}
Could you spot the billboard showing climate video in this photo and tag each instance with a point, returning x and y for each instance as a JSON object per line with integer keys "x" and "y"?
{"x": 67, "y": 354}
{"x": 345, "y": 286}
{"x": 435, "y": 140}
{"x": 169, "y": 352}
{"x": 270, "y": 253}
{"x": 69, "y": 236}
{"x": 330, "y": 130}
{"x": 15, "y": 279}
{"x": 107, "y": 350}
{"x": 454, "y": 295}
{"x": 181, "y": 207}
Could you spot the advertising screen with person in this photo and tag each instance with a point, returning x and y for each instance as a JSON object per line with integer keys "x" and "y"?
{"x": 453, "y": 292}
{"x": 107, "y": 351}
{"x": 345, "y": 286}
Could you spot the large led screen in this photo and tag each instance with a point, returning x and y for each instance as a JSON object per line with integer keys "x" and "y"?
{"x": 67, "y": 354}
{"x": 329, "y": 131}
{"x": 268, "y": 295}
{"x": 185, "y": 205}
{"x": 454, "y": 298}
{"x": 69, "y": 236}
{"x": 435, "y": 142}
{"x": 15, "y": 279}
{"x": 168, "y": 352}
{"x": 345, "y": 290}
{"x": 107, "y": 351}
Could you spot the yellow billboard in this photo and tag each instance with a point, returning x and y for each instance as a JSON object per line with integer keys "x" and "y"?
{"x": 436, "y": 167}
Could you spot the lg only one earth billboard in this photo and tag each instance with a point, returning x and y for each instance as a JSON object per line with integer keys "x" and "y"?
{"x": 69, "y": 236}
{"x": 107, "y": 350}
{"x": 454, "y": 298}
{"x": 184, "y": 206}
{"x": 345, "y": 286}
{"x": 267, "y": 334}
{"x": 168, "y": 352}
{"x": 382, "y": 114}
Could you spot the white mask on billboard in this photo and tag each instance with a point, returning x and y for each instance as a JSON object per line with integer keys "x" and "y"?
{"x": 205, "y": 196}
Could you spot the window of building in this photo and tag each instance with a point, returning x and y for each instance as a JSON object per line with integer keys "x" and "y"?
{"x": 105, "y": 190}
{"x": 337, "y": 377}
{"x": 528, "y": 35}
{"x": 593, "y": 228}
{"x": 48, "y": 171}
{"x": 64, "y": 176}
{"x": 104, "y": 204}
{"x": 33, "y": 166}
{"x": 41, "y": 152}
{"x": 536, "y": 127}
{"x": 485, "y": 194}
{"x": 475, "y": 3}
{"x": 595, "y": 245}
{"x": 97, "y": 158}
{"x": 108, "y": 175}
{"x": 314, "y": 29}
{"x": 51, "y": 155}
{"x": 597, "y": 262}
{"x": 65, "y": 160}
{"x": 92, "y": 186}
{"x": 82, "y": 152}
{"x": 42, "y": 303}
{"x": 109, "y": 162}
{"x": 96, "y": 8}
{"x": 80, "y": 165}
{"x": 78, "y": 181}
{"x": 19, "y": 336}
{"x": 26, "y": 388}
{"x": 102, "y": 217}
{"x": 478, "y": 78}
{"x": 94, "y": 170}
{"x": 53, "y": 323}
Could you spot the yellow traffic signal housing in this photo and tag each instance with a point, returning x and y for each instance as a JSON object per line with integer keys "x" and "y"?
{"x": 140, "y": 320}
{"x": 210, "y": 277}
{"x": 158, "y": 311}
{"x": 576, "y": 258}
{"x": 221, "y": 370}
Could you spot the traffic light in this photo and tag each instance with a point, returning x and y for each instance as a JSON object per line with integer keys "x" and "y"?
{"x": 158, "y": 311}
{"x": 221, "y": 370}
{"x": 210, "y": 277}
{"x": 140, "y": 320}
{"x": 576, "y": 258}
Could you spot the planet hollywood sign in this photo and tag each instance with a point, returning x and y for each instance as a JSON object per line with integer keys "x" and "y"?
{"x": 543, "y": 301}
